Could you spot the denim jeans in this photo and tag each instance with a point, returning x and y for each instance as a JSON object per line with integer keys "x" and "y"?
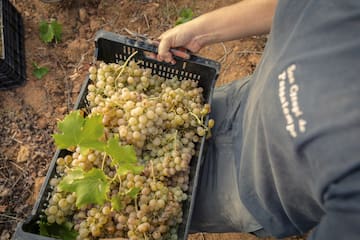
{"x": 218, "y": 207}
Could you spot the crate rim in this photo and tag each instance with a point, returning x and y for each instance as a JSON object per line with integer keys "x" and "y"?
{"x": 199, "y": 60}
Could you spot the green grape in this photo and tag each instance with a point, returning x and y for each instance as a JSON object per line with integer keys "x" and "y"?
{"x": 92, "y": 69}
{"x": 53, "y": 210}
{"x": 51, "y": 219}
{"x": 63, "y": 204}
{"x": 106, "y": 210}
{"x": 143, "y": 227}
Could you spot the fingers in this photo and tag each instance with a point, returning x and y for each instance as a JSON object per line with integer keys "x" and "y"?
{"x": 175, "y": 42}
{"x": 168, "y": 56}
{"x": 164, "y": 53}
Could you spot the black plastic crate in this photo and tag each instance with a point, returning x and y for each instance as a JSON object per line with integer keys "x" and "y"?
{"x": 110, "y": 48}
{"x": 12, "y": 52}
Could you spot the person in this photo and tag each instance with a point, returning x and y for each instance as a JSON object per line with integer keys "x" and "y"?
{"x": 284, "y": 156}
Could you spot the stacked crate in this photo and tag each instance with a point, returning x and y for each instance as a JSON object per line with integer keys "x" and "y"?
{"x": 12, "y": 52}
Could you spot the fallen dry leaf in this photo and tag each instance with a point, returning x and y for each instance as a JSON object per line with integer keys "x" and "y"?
{"x": 23, "y": 154}
{"x": 2, "y": 208}
{"x": 36, "y": 190}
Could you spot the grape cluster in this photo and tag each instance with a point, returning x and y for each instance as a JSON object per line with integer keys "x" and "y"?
{"x": 163, "y": 119}
{"x": 60, "y": 205}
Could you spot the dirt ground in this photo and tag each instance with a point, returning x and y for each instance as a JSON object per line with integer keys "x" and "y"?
{"x": 28, "y": 114}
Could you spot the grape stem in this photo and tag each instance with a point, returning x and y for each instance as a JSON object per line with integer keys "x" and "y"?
{"x": 136, "y": 205}
{"x": 198, "y": 120}
{"x": 120, "y": 182}
{"x": 103, "y": 162}
{"x": 175, "y": 137}
{"x": 153, "y": 98}
{"x": 113, "y": 178}
{"x": 152, "y": 170}
{"x": 123, "y": 68}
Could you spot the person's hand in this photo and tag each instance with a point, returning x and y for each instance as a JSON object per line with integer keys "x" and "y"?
{"x": 180, "y": 36}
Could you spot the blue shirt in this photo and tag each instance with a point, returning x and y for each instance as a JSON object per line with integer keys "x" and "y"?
{"x": 300, "y": 153}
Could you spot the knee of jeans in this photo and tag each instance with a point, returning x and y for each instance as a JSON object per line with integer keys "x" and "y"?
{"x": 226, "y": 102}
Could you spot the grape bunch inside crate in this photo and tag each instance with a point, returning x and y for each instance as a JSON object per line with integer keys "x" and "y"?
{"x": 12, "y": 51}
{"x": 114, "y": 48}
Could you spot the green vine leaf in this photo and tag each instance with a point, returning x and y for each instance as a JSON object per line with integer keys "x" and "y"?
{"x": 186, "y": 14}
{"x": 123, "y": 157}
{"x": 39, "y": 72}
{"x": 64, "y": 231}
{"x": 86, "y": 132}
{"x": 133, "y": 192}
{"x": 50, "y": 31}
{"x": 75, "y": 130}
{"x": 90, "y": 187}
{"x": 116, "y": 202}
{"x": 125, "y": 168}
{"x": 120, "y": 154}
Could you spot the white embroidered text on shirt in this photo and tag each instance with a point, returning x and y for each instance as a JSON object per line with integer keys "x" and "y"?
{"x": 288, "y": 96}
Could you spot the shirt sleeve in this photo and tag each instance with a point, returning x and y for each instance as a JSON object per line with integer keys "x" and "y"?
{"x": 335, "y": 159}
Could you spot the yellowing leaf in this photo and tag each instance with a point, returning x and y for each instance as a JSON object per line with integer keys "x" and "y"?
{"x": 90, "y": 187}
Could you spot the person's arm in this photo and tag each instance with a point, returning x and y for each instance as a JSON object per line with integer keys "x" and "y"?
{"x": 243, "y": 19}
